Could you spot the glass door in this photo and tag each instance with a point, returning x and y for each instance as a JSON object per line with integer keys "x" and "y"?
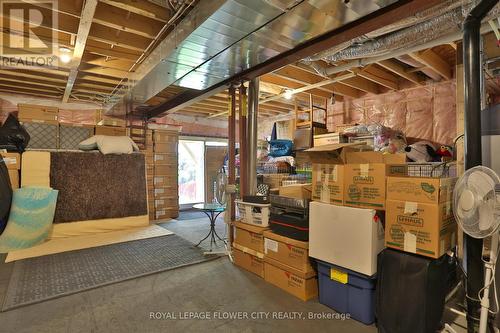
{"x": 191, "y": 171}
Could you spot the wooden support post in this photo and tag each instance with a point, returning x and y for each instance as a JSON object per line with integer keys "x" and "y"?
{"x": 232, "y": 146}
{"x": 243, "y": 140}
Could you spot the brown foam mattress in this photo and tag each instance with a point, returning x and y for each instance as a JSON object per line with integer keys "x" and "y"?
{"x": 94, "y": 186}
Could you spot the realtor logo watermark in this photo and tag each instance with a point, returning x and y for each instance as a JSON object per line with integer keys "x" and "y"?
{"x": 29, "y": 33}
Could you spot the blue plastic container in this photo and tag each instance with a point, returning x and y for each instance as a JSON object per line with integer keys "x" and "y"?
{"x": 355, "y": 297}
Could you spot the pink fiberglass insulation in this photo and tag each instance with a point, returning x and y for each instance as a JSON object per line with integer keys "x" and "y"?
{"x": 82, "y": 117}
{"x": 422, "y": 113}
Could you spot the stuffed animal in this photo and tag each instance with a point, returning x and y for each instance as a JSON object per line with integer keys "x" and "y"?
{"x": 445, "y": 151}
{"x": 422, "y": 151}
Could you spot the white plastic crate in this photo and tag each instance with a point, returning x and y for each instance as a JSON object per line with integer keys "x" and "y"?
{"x": 253, "y": 213}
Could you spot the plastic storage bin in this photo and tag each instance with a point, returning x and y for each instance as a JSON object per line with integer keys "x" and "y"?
{"x": 253, "y": 213}
{"x": 347, "y": 292}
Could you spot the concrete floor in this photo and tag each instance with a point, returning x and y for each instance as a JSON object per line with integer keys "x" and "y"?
{"x": 216, "y": 287}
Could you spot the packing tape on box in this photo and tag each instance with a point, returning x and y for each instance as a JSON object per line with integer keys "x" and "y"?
{"x": 410, "y": 242}
{"x": 10, "y": 160}
{"x": 411, "y": 207}
{"x": 333, "y": 174}
{"x": 448, "y": 208}
{"x": 364, "y": 169}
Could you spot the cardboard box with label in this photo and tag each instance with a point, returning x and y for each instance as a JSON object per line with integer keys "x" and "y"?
{"x": 167, "y": 181}
{"x": 425, "y": 190}
{"x": 160, "y": 136}
{"x": 288, "y": 251}
{"x": 296, "y": 191}
{"x": 165, "y": 147}
{"x": 249, "y": 262}
{"x": 38, "y": 113}
{"x": 327, "y": 139}
{"x": 164, "y": 202}
{"x": 248, "y": 236}
{"x": 165, "y": 169}
{"x": 328, "y": 171}
{"x": 110, "y": 131}
{"x": 166, "y": 158}
{"x": 166, "y": 213}
{"x": 14, "y": 178}
{"x": 365, "y": 178}
{"x": 303, "y": 285}
{"x": 428, "y": 229}
{"x": 12, "y": 160}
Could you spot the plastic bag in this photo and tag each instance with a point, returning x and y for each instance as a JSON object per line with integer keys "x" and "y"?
{"x": 280, "y": 148}
{"x": 5, "y": 194}
{"x": 13, "y": 136}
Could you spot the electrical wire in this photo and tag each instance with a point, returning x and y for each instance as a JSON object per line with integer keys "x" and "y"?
{"x": 491, "y": 282}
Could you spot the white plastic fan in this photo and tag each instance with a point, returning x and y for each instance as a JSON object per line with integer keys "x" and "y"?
{"x": 220, "y": 188}
{"x": 476, "y": 200}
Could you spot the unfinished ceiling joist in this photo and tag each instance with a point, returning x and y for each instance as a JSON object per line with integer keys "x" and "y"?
{"x": 81, "y": 40}
{"x": 393, "y": 66}
{"x": 434, "y": 62}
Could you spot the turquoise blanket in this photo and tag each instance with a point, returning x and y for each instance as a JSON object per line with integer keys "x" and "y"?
{"x": 30, "y": 219}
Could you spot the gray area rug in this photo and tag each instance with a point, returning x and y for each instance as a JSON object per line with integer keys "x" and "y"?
{"x": 39, "y": 279}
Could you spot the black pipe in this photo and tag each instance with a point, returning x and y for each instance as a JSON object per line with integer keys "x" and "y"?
{"x": 472, "y": 115}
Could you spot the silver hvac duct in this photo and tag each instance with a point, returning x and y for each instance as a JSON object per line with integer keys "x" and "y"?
{"x": 253, "y": 110}
{"x": 429, "y": 32}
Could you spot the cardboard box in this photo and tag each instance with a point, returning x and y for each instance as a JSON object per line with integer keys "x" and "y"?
{"x": 14, "y": 178}
{"x": 298, "y": 191}
{"x": 365, "y": 178}
{"x": 166, "y": 213}
{"x": 274, "y": 179}
{"x": 165, "y": 136}
{"x": 166, "y": 147}
{"x": 12, "y": 160}
{"x": 38, "y": 113}
{"x": 167, "y": 158}
{"x": 422, "y": 228}
{"x": 248, "y": 236}
{"x": 165, "y": 169}
{"x": 328, "y": 183}
{"x": 293, "y": 281}
{"x": 161, "y": 203}
{"x": 167, "y": 181}
{"x": 327, "y": 139}
{"x": 425, "y": 190}
{"x": 249, "y": 262}
{"x": 328, "y": 171}
{"x": 111, "y": 131}
{"x": 162, "y": 192}
{"x": 285, "y": 129}
{"x": 287, "y": 251}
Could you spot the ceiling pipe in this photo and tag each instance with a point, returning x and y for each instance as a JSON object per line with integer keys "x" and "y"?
{"x": 472, "y": 136}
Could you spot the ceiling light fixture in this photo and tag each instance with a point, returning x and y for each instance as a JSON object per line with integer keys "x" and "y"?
{"x": 288, "y": 94}
{"x": 65, "y": 55}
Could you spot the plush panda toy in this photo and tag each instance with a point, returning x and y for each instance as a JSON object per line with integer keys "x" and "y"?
{"x": 422, "y": 151}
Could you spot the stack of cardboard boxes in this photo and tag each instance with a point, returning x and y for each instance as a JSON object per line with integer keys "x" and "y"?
{"x": 165, "y": 171}
{"x": 148, "y": 152}
{"x": 419, "y": 215}
{"x": 110, "y": 126}
{"x": 281, "y": 261}
{"x": 13, "y": 162}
